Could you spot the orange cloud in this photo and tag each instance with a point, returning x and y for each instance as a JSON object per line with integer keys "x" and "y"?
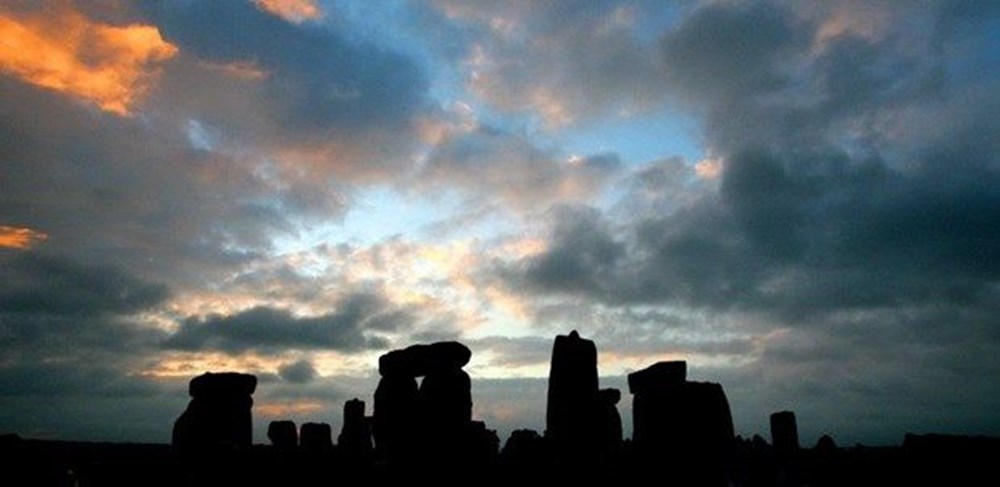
{"x": 20, "y": 238}
{"x": 296, "y": 11}
{"x": 110, "y": 66}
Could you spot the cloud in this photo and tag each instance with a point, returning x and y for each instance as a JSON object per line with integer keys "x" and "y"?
{"x": 731, "y": 49}
{"x": 110, "y": 66}
{"x": 508, "y": 354}
{"x": 495, "y": 163}
{"x": 39, "y": 284}
{"x": 565, "y": 62}
{"x": 261, "y": 329}
{"x": 327, "y": 103}
{"x": 132, "y": 191}
{"x": 298, "y": 372}
{"x": 295, "y": 11}
{"x": 20, "y": 238}
{"x": 806, "y": 221}
{"x": 582, "y": 254}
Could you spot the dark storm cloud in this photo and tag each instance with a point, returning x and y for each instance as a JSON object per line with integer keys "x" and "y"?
{"x": 267, "y": 329}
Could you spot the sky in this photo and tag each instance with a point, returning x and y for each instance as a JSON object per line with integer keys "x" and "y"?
{"x": 799, "y": 198}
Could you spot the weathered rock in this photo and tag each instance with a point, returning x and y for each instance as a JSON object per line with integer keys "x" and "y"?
{"x": 316, "y": 437}
{"x": 657, "y": 375}
{"x": 569, "y": 418}
{"x": 421, "y": 360}
{"x": 219, "y": 414}
{"x": 283, "y": 434}
{"x": 784, "y": 433}
{"x": 355, "y": 437}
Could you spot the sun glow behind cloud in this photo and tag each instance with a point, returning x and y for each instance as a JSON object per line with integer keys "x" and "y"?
{"x": 110, "y": 66}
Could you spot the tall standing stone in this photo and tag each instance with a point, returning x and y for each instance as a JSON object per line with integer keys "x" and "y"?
{"x": 219, "y": 414}
{"x": 395, "y": 416}
{"x": 572, "y": 396}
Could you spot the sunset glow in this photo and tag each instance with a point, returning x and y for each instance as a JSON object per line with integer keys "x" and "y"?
{"x": 109, "y": 66}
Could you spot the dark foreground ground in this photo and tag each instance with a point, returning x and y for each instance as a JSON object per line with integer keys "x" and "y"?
{"x": 921, "y": 460}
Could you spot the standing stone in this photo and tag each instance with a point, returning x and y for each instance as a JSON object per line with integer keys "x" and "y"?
{"x": 283, "y": 435}
{"x": 680, "y": 425}
{"x": 784, "y": 433}
{"x": 446, "y": 399}
{"x": 446, "y": 413}
{"x": 219, "y": 414}
{"x": 572, "y": 393}
{"x": 316, "y": 437}
{"x": 355, "y": 437}
{"x": 395, "y": 417}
